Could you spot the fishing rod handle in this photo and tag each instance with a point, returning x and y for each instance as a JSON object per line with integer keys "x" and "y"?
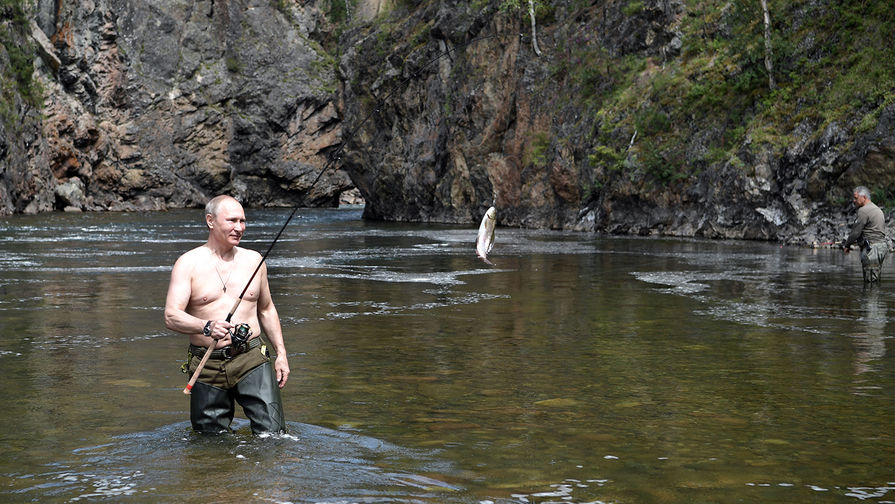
{"x": 189, "y": 385}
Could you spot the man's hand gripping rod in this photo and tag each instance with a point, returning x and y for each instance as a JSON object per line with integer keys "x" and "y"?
{"x": 189, "y": 385}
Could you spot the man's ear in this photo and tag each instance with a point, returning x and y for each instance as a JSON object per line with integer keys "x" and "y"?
{"x": 209, "y": 221}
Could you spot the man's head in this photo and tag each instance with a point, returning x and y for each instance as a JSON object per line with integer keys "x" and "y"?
{"x": 861, "y": 195}
{"x": 225, "y": 219}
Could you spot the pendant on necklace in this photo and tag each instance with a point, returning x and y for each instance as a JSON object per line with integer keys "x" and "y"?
{"x": 223, "y": 283}
{"x": 221, "y": 277}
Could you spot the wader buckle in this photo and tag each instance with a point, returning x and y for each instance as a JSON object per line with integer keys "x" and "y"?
{"x": 230, "y": 351}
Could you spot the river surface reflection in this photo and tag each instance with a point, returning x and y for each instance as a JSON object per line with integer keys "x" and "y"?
{"x": 580, "y": 368}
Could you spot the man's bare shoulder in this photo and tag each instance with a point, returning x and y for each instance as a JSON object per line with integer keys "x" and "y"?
{"x": 248, "y": 254}
{"x": 193, "y": 256}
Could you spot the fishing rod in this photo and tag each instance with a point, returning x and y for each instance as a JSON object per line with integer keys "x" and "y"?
{"x": 331, "y": 159}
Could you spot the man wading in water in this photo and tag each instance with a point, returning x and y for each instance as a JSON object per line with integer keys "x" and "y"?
{"x": 205, "y": 283}
{"x": 869, "y": 232}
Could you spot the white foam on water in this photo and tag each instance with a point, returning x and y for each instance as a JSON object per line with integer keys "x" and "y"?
{"x": 567, "y": 491}
{"x": 679, "y": 282}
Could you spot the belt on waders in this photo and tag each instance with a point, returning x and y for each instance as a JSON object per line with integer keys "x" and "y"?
{"x": 223, "y": 353}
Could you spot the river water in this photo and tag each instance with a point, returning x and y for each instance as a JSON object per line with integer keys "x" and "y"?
{"x": 579, "y": 369}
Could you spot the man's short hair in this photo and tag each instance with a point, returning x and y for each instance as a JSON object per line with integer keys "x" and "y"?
{"x": 211, "y": 208}
{"x": 862, "y": 191}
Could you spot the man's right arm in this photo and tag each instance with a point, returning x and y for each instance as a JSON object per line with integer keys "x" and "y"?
{"x": 179, "y": 291}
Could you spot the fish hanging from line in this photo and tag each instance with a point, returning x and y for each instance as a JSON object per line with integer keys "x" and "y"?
{"x": 485, "y": 240}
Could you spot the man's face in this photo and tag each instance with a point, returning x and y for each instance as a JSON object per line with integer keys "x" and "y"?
{"x": 860, "y": 200}
{"x": 230, "y": 222}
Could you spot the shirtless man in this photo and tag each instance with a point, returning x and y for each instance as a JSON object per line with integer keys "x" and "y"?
{"x": 205, "y": 284}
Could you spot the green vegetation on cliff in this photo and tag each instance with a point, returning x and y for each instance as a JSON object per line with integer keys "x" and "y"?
{"x": 18, "y": 64}
{"x": 832, "y": 62}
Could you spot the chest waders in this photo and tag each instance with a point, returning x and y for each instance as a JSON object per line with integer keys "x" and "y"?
{"x": 247, "y": 379}
{"x": 872, "y": 257}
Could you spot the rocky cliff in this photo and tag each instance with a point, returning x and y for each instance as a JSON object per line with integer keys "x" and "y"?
{"x": 650, "y": 117}
{"x": 164, "y": 103}
{"x": 613, "y": 127}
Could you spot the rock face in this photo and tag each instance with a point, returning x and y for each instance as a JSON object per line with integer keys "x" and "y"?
{"x": 451, "y": 111}
{"x": 25, "y": 179}
{"x": 164, "y": 103}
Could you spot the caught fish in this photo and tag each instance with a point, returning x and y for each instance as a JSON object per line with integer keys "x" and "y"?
{"x": 485, "y": 241}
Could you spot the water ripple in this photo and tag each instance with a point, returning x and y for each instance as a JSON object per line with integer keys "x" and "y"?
{"x": 310, "y": 464}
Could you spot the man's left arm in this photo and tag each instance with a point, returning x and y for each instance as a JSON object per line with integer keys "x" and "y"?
{"x": 270, "y": 324}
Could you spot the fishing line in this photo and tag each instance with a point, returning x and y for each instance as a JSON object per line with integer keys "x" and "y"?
{"x": 331, "y": 159}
